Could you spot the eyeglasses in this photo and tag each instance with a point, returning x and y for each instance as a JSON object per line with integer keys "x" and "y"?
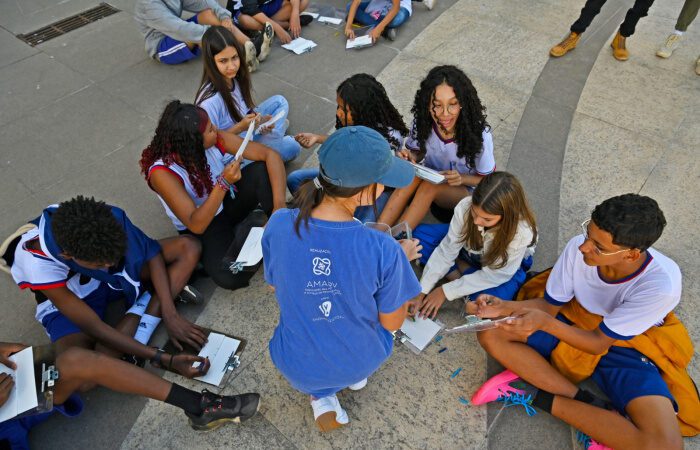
{"x": 451, "y": 109}
{"x": 584, "y": 228}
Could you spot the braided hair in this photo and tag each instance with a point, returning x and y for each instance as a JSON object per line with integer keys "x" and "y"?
{"x": 178, "y": 140}
{"x": 471, "y": 121}
{"x": 370, "y": 106}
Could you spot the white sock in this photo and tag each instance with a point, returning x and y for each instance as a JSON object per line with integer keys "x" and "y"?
{"x": 146, "y": 328}
{"x": 140, "y": 305}
{"x": 679, "y": 33}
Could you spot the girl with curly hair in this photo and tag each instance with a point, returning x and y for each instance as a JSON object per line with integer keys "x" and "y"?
{"x": 449, "y": 134}
{"x": 183, "y": 164}
{"x": 225, "y": 93}
{"x": 361, "y": 100}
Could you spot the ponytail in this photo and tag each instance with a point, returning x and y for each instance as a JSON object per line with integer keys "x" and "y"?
{"x": 312, "y": 193}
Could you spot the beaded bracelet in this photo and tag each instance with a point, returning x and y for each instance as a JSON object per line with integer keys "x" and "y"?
{"x": 222, "y": 183}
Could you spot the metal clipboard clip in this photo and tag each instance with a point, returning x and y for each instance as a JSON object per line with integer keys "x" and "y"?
{"x": 236, "y": 266}
{"x": 232, "y": 363}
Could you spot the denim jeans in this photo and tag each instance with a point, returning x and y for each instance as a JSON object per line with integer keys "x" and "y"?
{"x": 366, "y": 19}
{"x": 286, "y": 146}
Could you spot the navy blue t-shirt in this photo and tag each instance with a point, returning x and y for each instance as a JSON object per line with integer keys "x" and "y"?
{"x": 331, "y": 284}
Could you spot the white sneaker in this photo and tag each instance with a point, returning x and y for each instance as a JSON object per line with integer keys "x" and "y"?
{"x": 268, "y": 35}
{"x": 328, "y": 413}
{"x": 672, "y": 42}
{"x": 430, "y": 4}
{"x": 359, "y": 385}
{"x": 251, "y": 58}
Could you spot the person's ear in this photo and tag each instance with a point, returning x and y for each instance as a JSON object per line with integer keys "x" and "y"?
{"x": 633, "y": 255}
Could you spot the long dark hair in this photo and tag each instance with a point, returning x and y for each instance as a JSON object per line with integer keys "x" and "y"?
{"x": 370, "y": 106}
{"x": 308, "y": 197}
{"x": 500, "y": 194}
{"x": 178, "y": 140}
{"x": 214, "y": 41}
{"x": 471, "y": 121}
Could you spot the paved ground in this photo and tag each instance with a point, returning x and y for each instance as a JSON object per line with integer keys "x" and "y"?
{"x": 76, "y": 112}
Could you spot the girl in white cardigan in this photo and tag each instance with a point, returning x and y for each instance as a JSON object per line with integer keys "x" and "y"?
{"x": 488, "y": 247}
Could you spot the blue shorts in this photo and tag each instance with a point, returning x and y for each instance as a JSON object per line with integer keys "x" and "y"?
{"x": 57, "y": 325}
{"x": 623, "y": 373}
{"x": 269, "y": 9}
{"x": 172, "y": 51}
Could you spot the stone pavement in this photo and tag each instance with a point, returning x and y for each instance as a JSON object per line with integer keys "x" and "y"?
{"x": 76, "y": 111}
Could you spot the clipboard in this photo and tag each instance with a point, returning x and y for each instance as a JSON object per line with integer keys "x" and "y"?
{"x": 45, "y": 376}
{"x": 418, "y": 334}
{"x": 475, "y": 324}
{"x": 232, "y": 362}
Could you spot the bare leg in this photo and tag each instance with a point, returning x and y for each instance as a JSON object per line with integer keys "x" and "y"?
{"x": 282, "y": 16}
{"x": 397, "y": 202}
{"x": 446, "y": 196}
{"x": 249, "y": 23}
{"x": 653, "y": 423}
{"x": 516, "y": 355}
{"x": 79, "y": 367}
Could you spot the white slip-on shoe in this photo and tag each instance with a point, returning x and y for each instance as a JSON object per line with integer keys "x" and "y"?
{"x": 359, "y": 385}
{"x": 672, "y": 42}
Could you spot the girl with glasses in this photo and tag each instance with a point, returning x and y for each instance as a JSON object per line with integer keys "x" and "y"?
{"x": 449, "y": 134}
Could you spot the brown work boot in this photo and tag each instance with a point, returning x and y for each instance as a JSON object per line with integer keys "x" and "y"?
{"x": 568, "y": 44}
{"x": 618, "y": 45}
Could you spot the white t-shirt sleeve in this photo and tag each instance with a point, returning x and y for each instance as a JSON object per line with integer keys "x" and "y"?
{"x": 644, "y": 306}
{"x": 217, "y": 112}
{"x": 412, "y": 139}
{"x": 485, "y": 161}
{"x": 488, "y": 277}
{"x": 446, "y": 253}
{"x": 34, "y": 270}
{"x": 560, "y": 284}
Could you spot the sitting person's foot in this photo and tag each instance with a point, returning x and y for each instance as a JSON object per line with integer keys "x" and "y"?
{"x": 218, "y": 410}
{"x": 430, "y": 4}
{"x": 328, "y": 413}
{"x": 267, "y": 34}
{"x": 305, "y": 19}
{"x": 569, "y": 43}
{"x": 506, "y": 387}
{"x": 672, "y": 42}
{"x": 191, "y": 295}
{"x": 251, "y": 59}
{"x": 390, "y": 34}
{"x": 359, "y": 385}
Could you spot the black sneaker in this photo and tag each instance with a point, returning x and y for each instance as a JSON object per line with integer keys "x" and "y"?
{"x": 257, "y": 38}
{"x": 219, "y": 409}
{"x": 190, "y": 295}
{"x": 305, "y": 19}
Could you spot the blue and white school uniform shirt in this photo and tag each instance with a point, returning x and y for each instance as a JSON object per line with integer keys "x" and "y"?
{"x": 441, "y": 152}
{"x": 629, "y": 306}
{"x": 331, "y": 284}
{"x": 37, "y": 270}
{"x": 217, "y": 111}
{"x": 216, "y": 166}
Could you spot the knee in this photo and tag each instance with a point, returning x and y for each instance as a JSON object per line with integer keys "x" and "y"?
{"x": 76, "y": 364}
{"x": 191, "y": 248}
{"x": 290, "y": 148}
{"x": 488, "y": 339}
{"x": 280, "y": 101}
{"x": 668, "y": 441}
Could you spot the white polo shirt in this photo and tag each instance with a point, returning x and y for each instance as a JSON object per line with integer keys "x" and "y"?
{"x": 441, "y": 152}
{"x": 629, "y": 306}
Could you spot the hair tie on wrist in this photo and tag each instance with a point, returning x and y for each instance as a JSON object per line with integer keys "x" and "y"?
{"x": 317, "y": 183}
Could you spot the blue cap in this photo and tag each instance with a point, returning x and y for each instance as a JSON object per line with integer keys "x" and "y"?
{"x": 358, "y": 156}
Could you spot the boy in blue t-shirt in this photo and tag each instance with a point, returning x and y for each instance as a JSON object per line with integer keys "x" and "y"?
{"x": 341, "y": 287}
{"x": 84, "y": 254}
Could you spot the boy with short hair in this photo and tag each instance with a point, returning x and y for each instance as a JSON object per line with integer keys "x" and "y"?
{"x": 605, "y": 313}
{"x": 83, "y": 255}
{"x": 173, "y": 40}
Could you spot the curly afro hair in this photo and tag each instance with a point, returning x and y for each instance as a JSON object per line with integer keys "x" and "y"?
{"x": 370, "y": 106}
{"x": 472, "y": 117}
{"x": 86, "y": 229}
{"x": 633, "y": 220}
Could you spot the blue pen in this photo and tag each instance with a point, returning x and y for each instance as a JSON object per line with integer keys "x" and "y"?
{"x": 453, "y": 165}
{"x": 455, "y": 373}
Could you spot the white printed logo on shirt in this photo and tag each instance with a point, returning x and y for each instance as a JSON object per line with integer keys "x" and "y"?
{"x": 322, "y": 266}
{"x": 325, "y": 308}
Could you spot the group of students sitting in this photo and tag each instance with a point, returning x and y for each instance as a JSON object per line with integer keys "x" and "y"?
{"x": 344, "y": 283}
{"x": 171, "y": 39}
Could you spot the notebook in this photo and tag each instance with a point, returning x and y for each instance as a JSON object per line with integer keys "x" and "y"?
{"x": 428, "y": 174}
{"x": 300, "y": 45}
{"x": 359, "y": 42}
{"x": 23, "y": 395}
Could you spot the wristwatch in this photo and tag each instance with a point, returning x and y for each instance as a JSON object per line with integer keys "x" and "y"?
{"x": 157, "y": 360}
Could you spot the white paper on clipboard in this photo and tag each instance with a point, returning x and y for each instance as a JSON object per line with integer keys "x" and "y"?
{"x": 274, "y": 119}
{"x": 244, "y": 144}
{"x": 420, "y": 333}
{"x": 219, "y": 348}
{"x": 23, "y": 394}
{"x": 251, "y": 253}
